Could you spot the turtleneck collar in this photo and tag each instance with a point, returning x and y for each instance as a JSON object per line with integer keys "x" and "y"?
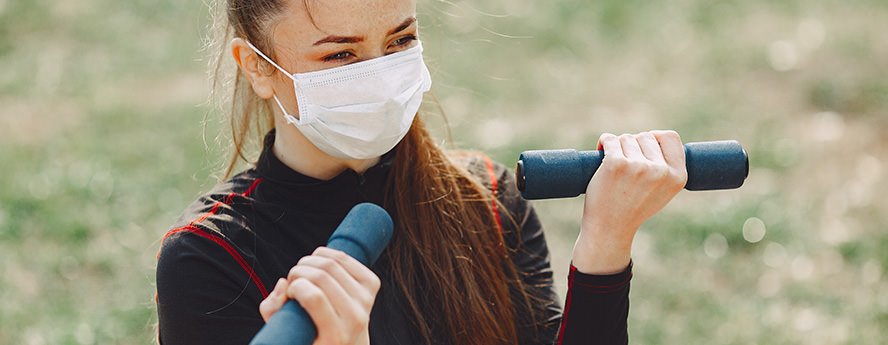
{"x": 367, "y": 185}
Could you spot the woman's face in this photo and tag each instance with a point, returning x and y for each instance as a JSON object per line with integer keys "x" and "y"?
{"x": 338, "y": 32}
{"x": 312, "y": 35}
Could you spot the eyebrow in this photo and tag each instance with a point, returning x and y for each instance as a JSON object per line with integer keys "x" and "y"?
{"x": 354, "y": 39}
{"x": 407, "y": 22}
{"x": 339, "y": 39}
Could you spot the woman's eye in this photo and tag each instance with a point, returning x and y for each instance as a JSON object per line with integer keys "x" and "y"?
{"x": 338, "y": 56}
{"x": 403, "y": 41}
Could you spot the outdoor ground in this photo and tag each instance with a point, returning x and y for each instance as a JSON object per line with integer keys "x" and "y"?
{"x": 102, "y": 144}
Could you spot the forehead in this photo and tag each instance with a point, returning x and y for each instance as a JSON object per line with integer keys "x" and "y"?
{"x": 306, "y": 21}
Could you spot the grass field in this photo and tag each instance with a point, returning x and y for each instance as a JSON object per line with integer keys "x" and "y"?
{"x": 102, "y": 145}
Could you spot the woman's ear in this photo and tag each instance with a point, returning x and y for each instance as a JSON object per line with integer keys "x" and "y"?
{"x": 250, "y": 64}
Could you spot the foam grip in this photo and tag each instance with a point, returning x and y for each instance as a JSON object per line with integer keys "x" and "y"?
{"x": 545, "y": 174}
{"x": 363, "y": 234}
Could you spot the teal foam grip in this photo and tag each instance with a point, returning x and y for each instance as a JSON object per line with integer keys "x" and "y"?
{"x": 545, "y": 174}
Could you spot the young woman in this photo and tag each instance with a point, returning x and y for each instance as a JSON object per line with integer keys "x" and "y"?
{"x": 340, "y": 82}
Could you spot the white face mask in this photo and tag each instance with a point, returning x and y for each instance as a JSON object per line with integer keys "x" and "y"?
{"x": 361, "y": 110}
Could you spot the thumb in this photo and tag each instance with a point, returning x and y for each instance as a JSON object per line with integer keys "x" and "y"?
{"x": 274, "y": 301}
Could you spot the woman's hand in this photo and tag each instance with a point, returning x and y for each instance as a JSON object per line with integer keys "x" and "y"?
{"x": 335, "y": 290}
{"x": 639, "y": 175}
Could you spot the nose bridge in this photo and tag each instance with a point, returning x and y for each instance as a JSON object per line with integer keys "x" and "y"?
{"x": 375, "y": 48}
{"x": 376, "y": 54}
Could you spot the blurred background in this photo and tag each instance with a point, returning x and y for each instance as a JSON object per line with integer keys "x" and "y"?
{"x": 102, "y": 144}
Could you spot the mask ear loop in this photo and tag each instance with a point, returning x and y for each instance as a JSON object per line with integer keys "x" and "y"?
{"x": 267, "y": 59}
{"x": 290, "y": 118}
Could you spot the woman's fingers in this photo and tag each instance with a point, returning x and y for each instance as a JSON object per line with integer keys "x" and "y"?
{"x": 631, "y": 149}
{"x": 650, "y": 147}
{"x": 343, "y": 300}
{"x": 673, "y": 150}
{"x": 360, "y": 273}
{"x": 634, "y": 156}
{"x": 329, "y": 271}
{"x": 274, "y": 301}
{"x": 318, "y": 305}
{"x": 610, "y": 143}
{"x": 644, "y": 153}
{"x": 337, "y": 291}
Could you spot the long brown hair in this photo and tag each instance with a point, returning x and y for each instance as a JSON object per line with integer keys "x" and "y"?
{"x": 447, "y": 257}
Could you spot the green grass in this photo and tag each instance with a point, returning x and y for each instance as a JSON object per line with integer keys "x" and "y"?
{"x": 101, "y": 144}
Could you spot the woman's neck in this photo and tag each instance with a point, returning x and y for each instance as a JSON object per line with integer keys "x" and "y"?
{"x": 298, "y": 153}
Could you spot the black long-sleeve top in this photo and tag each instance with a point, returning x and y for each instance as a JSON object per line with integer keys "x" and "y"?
{"x": 229, "y": 247}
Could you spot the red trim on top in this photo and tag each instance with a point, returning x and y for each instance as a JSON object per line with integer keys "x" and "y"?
{"x": 204, "y": 216}
{"x": 252, "y": 187}
{"x": 493, "y": 187}
{"x": 233, "y": 252}
{"x": 220, "y": 241}
{"x": 570, "y": 277}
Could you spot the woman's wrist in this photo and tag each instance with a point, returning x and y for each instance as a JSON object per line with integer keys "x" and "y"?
{"x": 601, "y": 254}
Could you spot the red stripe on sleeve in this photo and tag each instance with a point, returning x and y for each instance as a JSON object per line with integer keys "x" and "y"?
{"x": 566, "y": 304}
{"x": 231, "y": 251}
{"x": 252, "y": 187}
{"x": 218, "y": 240}
{"x": 493, "y": 187}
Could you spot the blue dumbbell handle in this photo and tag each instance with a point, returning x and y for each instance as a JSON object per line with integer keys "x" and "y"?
{"x": 544, "y": 174}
